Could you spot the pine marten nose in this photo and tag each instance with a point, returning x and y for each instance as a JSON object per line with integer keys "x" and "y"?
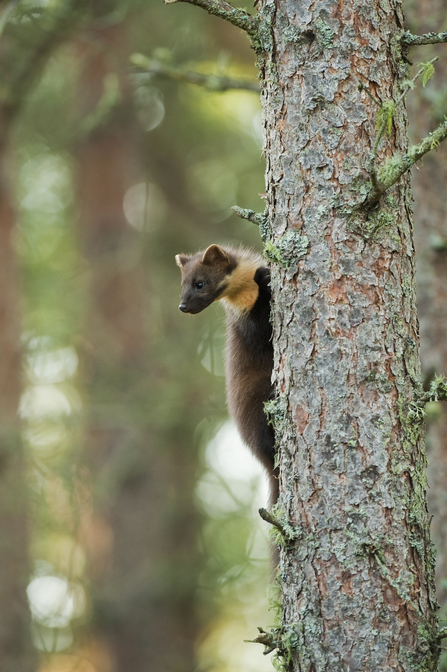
{"x": 182, "y": 307}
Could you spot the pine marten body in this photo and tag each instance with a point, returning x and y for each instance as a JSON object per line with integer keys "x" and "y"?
{"x": 240, "y": 280}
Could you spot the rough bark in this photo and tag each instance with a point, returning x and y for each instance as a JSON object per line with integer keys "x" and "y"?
{"x": 358, "y": 584}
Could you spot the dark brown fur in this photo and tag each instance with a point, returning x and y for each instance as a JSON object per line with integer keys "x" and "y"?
{"x": 240, "y": 280}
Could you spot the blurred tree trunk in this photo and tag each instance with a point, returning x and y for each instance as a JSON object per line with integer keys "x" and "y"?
{"x": 23, "y": 56}
{"x": 140, "y": 533}
{"x": 429, "y": 186}
{"x": 16, "y": 651}
{"x": 358, "y": 581}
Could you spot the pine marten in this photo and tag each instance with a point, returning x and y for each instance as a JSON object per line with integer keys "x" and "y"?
{"x": 239, "y": 279}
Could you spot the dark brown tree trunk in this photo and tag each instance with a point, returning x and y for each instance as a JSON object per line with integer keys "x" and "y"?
{"x": 16, "y": 652}
{"x": 358, "y": 582}
{"x": 141, "y": 530}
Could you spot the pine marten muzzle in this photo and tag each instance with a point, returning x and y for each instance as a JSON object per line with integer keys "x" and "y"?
{"x": 241, "y": 281}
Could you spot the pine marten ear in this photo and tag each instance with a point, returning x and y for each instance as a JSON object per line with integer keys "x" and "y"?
{"x": 181, "y": 260}
{"x": 215, "y": 255}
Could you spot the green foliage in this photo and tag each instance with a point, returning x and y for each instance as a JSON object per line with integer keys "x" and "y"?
{"x": 428, "y": 70}
{"x": 274, "y": 599}
{"x": 284, "y": 639}
{"x": 288, "y": 643}
{"x": 417, "y": 409}
{"x": 438, "y": 389}
{"x": 415, "y": 414}
{"x": 408, "y": 84}
{"x": 385, "y": 117}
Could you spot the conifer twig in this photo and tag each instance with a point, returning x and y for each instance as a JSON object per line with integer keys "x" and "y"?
{"x": 379, "y": 186}
{"x": 409, "y": 84}
{"x": 221, "y": 8}
{"x": 392, "y": 172}
{"x": 210, "y": 82}
{"x": 362, "y": 87}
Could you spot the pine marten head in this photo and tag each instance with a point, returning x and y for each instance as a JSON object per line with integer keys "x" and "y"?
{"x": 204, "y": 277}
{"x": 218, "y": 273}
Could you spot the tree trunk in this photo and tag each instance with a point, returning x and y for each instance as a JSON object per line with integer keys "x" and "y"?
{"x": 140, "y": 533}
{"x": 358, "y": 583}
{"x": 16, "y": 652}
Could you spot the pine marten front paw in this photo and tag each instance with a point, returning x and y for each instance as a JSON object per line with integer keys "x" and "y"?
{"x": 262, "y": 277}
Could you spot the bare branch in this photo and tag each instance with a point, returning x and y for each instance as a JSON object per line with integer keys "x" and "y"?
{"x": 210, "y": 82}
{"x": 273, "y": 520}
{"x": 271, "y": 640}
{"x": 410, "y": 40}
{"x": 252, "y": 216}
{"x": 238, "y": 17}
{"x": 289, "y": 534}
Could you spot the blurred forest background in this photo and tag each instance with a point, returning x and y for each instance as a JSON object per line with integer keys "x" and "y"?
{"x": 127, "y": 504}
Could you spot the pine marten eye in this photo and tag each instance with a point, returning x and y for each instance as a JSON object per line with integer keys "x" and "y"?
{"x": 199, "y": 285}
